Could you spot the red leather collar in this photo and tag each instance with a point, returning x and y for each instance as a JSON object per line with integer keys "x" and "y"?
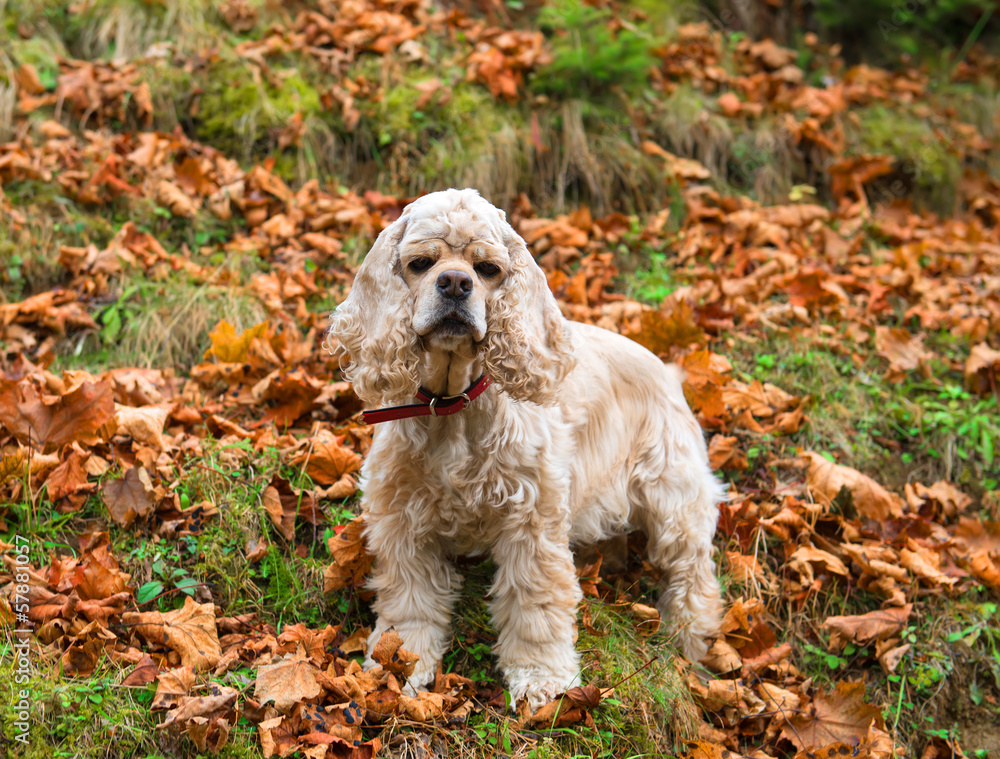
{"x": 431, "y": 405}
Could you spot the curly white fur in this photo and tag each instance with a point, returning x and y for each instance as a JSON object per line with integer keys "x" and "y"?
{"x": 583, "y": 435}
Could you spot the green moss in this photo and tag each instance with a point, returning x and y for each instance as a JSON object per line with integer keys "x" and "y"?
{"x": 95, "y": 717}
{"x": 973, "y": 102}
{"x": 240, "y": 109}
{"x": 651, "y": 710}
{"x": 667, "y": 14}
{"x": 924, "y": 159}
{"x": 29, "y": 255}
{"x": 473, "y": 140}
{"x": 472, "y": 112}
{"x": 88, "y": 718}
{"x": 42, "y": 52}
{"x": 173, "y": 90}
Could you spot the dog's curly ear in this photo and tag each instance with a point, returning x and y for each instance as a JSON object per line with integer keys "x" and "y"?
{"x": 528, "y": 350}
{"x": 373, "y": 326}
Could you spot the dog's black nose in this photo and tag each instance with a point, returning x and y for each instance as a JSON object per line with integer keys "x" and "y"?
{"x": 454, "y": 285}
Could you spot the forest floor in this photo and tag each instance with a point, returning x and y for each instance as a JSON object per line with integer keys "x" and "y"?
{"x": 185, "y": 194}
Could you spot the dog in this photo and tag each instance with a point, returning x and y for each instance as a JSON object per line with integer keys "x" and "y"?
{"x": 520, "y": 435}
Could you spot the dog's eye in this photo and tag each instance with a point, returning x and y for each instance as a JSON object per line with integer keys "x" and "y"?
{"x": 487, "y": 269}
{"x": 420, "y": 264}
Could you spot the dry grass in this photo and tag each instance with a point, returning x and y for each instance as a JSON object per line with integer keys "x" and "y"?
{"x": 124, "y": 31}
{"x": 8, "y": 98}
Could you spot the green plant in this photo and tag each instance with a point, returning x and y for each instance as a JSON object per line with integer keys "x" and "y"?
{"x": 466, "y": 649}
{"x": 818, "y": 659}
{"x": 654, "y": 284}
{"x": 587, "y": 55}
{"x": 893, "y": 27}
{"x": 948, "y": 423}
{"x": 166, "y": 567}
{"x": 981, "y": 631}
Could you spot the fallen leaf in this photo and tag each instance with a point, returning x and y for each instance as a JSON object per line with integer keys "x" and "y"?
{"x": 826, "y": 480}
{"x": 351, "y": 560}
{"x": 75, "y": 416}
{"x": 838, "y": 716}
{"x": 904, "y": 351}
{"x": 128, "y": 497}
{"x": 287, "y": 681}
{"x": 190, "y": 631}
{"x": 982, "y": 370}
{"x": 229, "y": 347}
{"x": 863, "y": 628}
{"x": 173, "y": 197}
{"x": 143, "y": 425}
{"x": 725, "y": 453}
{"x": 389, "y": 652}
{"x": 329, "y": 461}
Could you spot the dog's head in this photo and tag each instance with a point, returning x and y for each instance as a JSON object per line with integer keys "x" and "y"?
{"x": 451, "y": 275}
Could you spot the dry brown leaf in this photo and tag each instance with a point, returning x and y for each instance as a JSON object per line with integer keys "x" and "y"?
{"x": 976, "y": 535}
{"x": 838, "y": 716}
{"x": 13, "y": 465}
{"x": 824, "y": 559}
{"x": 705, "y": 375}
{"x": 424, "y": 707}
{"x": 69, "y": 477}
{"x": 985, "y": 568}
{"x": 221, "y": 698}
{"x": 190, "y": 631}
{"x": 924, "y": 564}
{"x": 173, "y": 685}
{"x": 143, "y": 425}
{"x": 101, "y": 610}
{"x": 173, "y": 197}
{"x": 46, "y": 605}
{"x": 784, "y": 702}
{"x": 287, "y": 681}
{"x": 725, "y": 453}
{"x": 708, "y": 750}
{"x": 329, "y": 461}
{"x": 826, "y": 480}
{"x": 863, "y": 628}
{"x": 129, "y": 497}
{"x": 392, "y": 656}
{"x": 75, "y": 416}
{"x": 904, "y": 351}
{"x": 722, "y": 658}
{"x": 982, "y": 370}
{"x": 351, "y": 560}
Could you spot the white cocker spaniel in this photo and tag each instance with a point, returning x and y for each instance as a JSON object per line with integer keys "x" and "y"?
{"x": 521, "y": 434}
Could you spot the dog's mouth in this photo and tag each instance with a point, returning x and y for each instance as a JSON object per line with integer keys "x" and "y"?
{"x": 453, "y": 324}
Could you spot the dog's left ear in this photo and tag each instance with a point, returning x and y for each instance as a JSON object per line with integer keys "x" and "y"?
{"x": 528, "y": 350}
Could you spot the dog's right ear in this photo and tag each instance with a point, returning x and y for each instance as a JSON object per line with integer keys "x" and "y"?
{"x": 373, "y": 328}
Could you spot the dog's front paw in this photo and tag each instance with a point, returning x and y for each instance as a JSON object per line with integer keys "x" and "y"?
{"x": 421, "y": 679}
{"x": 538, "y": 688}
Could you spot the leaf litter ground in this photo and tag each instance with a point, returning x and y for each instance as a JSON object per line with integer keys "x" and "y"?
{"x": 871, "y": 283}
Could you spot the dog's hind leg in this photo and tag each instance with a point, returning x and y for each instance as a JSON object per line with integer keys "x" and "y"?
{"x": 679, "y": 513}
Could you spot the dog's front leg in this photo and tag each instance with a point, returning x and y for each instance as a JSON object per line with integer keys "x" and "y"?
{"x": 535, "y": 596}
{"x": 416, "y": 588}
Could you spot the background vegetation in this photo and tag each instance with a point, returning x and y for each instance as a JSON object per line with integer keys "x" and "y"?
{"x": 664, "y": 144}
